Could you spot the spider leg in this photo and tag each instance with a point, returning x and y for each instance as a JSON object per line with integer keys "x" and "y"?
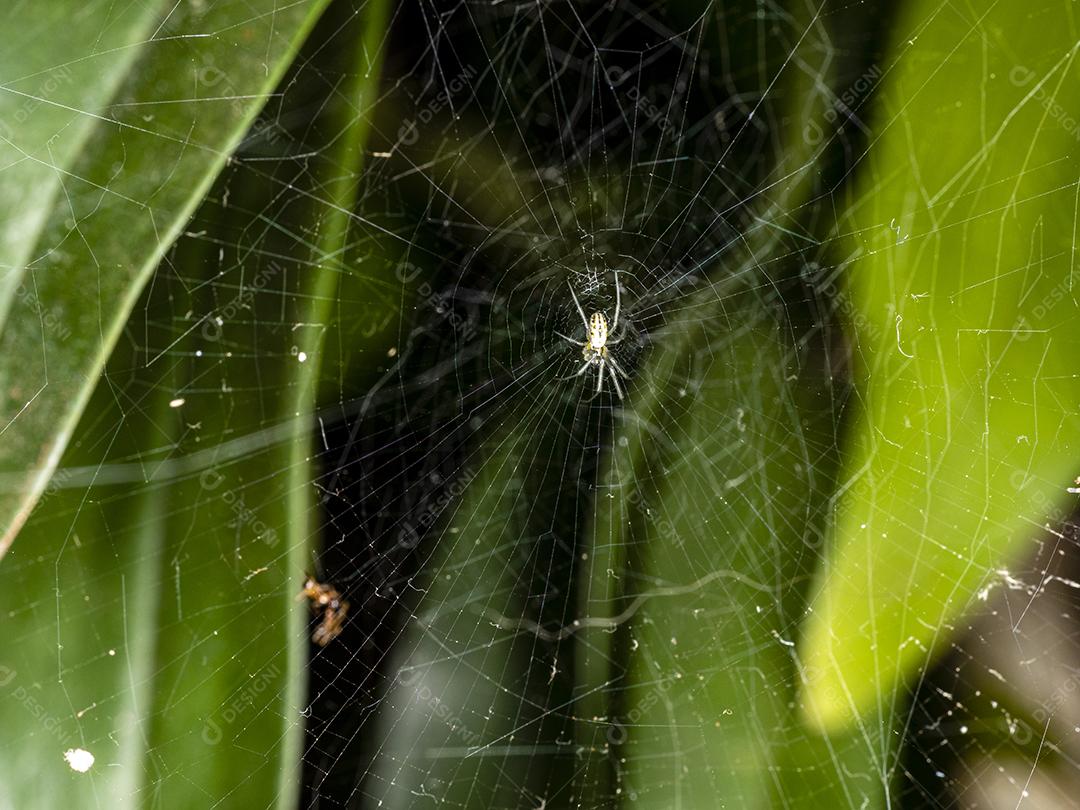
{"x": 614, "y": 364}
{"x": 580, "y": 371}
{"x": 599, "y": 381}
{"x": 618, "y": 303}
{"x": 577, "y": 303}
{"x": 575, "y": 342}
{"x": 615, "y": 382}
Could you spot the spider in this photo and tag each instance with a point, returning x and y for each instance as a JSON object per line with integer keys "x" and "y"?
{"x": 595, "y": 345}
{"x": 334, "y": 608}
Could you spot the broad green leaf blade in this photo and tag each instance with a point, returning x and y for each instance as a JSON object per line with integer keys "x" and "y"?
{"x": 60, "y": 64}
{"x": 184, "y": 670}
{"x": 80, "y": 622}
{"x": 469, "y": 698}
{"x": 964, "y": 224}
{"x": 124, "y": 184}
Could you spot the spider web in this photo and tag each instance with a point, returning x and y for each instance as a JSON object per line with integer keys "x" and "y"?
{"x": 560, "y": 597}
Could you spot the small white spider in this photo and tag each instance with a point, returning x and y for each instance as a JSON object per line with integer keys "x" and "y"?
{"x": 596, "y": 342}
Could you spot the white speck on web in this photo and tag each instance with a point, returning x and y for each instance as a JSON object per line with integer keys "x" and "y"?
{"x": 79, "y": 759}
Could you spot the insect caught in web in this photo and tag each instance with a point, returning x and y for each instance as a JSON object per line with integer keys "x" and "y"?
{"x": 597, "y": 340}
{"x": 334, "y": 609}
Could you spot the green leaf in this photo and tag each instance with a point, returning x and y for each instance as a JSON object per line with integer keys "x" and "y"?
{"x": 168, "y": 640}
{"x": 110, "y": 143}
{"x": 962, "y": 284}
{"x": 467, "y": 700}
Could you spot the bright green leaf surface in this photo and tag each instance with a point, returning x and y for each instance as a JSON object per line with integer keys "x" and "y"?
{"x": 964, "y": 229}
{"x": 57, "y": 79}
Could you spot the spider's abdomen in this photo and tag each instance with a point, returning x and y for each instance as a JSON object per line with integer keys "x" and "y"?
{"x": 597, "y": 331}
